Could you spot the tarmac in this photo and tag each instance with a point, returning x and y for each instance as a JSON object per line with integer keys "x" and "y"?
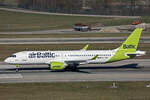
{"x": 128, "y": 70}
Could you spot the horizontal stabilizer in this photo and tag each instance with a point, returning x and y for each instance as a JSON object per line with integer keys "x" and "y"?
{"x": 137, "y": 53}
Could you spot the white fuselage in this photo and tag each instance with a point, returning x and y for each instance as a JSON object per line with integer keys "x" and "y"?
{"x": 45, "y": 57}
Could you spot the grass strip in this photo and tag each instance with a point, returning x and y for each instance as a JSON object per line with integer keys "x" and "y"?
{"x": 75, "y": 91}
{"x": 17, "y": 21}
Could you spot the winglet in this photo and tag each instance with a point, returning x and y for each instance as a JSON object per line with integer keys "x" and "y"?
{"x": 85, "y": 47}
{"x": 94, "y": 57}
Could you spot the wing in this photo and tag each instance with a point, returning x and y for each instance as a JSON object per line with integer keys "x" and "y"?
{"x": 60, "y": 65}
{"x": 81, "y": 61}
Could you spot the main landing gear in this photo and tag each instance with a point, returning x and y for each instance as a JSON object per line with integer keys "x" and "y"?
{"x": 72, "y": 67}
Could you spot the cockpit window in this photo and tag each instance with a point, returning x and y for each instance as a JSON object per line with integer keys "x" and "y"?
{"x": 14, "y": 56}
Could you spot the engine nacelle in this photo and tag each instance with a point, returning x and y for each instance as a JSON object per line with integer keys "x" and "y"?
{"x": 56, "y": 66}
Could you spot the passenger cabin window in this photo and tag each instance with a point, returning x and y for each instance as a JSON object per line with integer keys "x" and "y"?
{"x": 13, "y": 56}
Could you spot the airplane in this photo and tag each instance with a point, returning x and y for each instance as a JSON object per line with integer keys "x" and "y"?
{"x": 60, "y": 60}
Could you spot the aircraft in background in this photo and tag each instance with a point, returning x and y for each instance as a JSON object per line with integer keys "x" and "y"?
{"x": 59, "y": 60}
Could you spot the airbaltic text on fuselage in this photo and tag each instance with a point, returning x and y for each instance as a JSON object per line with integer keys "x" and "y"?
{"x": 41, "y": 55}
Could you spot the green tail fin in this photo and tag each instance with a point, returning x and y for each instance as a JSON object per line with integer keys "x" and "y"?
{"x": 132, "y": 41}
{"x": 129, "y": 46}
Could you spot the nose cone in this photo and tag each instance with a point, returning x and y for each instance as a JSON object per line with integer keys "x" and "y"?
{"x": 6, "y": 60}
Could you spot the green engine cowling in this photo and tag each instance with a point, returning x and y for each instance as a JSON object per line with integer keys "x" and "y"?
{"x": 56, "y": 66}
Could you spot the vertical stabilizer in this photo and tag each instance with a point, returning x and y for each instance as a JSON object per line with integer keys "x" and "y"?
{"x": 128, "y": 47}
{"x": 131, "y": 43}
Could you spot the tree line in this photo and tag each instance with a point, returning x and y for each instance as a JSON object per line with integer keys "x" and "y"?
{"x": 111, "y": 7}
{"x": 66, "y": 5}
{"x": 63, "y": 4}
{"x": 59, "y": 5}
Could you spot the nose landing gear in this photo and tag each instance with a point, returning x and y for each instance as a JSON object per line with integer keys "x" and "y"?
{"x": 17, "y": 67}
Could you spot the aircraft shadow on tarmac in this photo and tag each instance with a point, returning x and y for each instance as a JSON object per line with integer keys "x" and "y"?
{"x": 132, "y": 66}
